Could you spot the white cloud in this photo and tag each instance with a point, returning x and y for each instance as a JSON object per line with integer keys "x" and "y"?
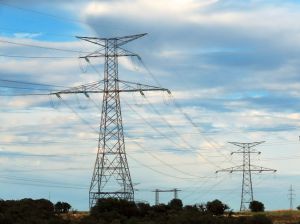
{"x": 148, "y": 11}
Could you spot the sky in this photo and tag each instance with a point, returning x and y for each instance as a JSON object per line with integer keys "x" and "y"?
{"x": 233, "y": 70}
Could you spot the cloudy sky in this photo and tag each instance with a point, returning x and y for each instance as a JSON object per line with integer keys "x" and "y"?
{"x": 232, "y": 66}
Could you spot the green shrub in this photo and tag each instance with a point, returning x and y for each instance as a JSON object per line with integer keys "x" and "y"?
{"x": 176, "y": 204}
{"x": 216, "y": 207}
{"x": 256, "y": 206}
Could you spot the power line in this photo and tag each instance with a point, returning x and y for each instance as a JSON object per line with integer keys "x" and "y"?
{"x": 57, "y": 17}
{"x": 35, "y": 32}
{"x": 29, "y": 83}
{"x": 89, "y": 125}
{"x": 166, "y": 164}
{"x": 40, "y": 181}
{"x": 43, "y": 13}
{"x": 35, "y": 57}
{"x": 160, "y": 172}
{"x": 27, "y": 88}
{"x": 170, "y": 139}
{"x": 152, "y": 126}
{"x": 175, "y": 131}
{"x": 43, "y": 185}
{"x": 187, "y": 117}
{"x": 42, "y": 47}
{"x": 149, "y": 167}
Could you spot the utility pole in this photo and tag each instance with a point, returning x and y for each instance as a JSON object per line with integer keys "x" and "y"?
{"x": 291, "y": 196}
{"x": 111, "y": 176}
{"x": 246, "y": 168}
{"x": 157, "y": 191}
{"x": 176, "y": 193}
{"x": 156, "y": 197}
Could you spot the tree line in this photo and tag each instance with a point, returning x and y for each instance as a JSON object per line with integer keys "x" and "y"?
{"x": 116, "y": 211}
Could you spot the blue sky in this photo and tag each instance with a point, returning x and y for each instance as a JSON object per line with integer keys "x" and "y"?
{"x": 233, "y": 66}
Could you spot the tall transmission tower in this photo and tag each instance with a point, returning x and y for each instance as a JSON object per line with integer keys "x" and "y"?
{"x": 291, "y": 197}
{"x": 111, "y": 175}
{"x": 246, "y": 168}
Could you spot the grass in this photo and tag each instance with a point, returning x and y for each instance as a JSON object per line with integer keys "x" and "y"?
{"x": 278, "y": 217}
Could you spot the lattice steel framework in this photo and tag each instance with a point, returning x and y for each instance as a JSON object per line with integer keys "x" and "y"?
{"x": 247, "y": 168}
{"x": 291, "y": 196}
{"x": 157, "y": 191}
{"x": 111, "y": 175}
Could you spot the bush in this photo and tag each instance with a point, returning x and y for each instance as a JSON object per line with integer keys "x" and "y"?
{"x": 143, "y": 208}
{"x": 118, "y": 207}
{"x": 256, "y": 206}
{"x": 259, "y": 219}
{"x": 216, "y": 207}
{"x": 176, "y": 204}
{"x": 161, "y": 208}
{"x": 62, "y": 207}
{"x": 28, "y": 211}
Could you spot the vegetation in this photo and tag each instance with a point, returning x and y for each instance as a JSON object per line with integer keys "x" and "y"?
{"x": 256, "y": 206}
{"x": 216, "y": 207}
{"x": 115, "y": 211}
{"x": 62, "y": 207}
{"x": 28, "y": 211}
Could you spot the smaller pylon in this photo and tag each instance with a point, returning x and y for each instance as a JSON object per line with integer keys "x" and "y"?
{"x": 247, "y": 168}
{"x": 157, "y": 191}
{"x": 291, "y": 197}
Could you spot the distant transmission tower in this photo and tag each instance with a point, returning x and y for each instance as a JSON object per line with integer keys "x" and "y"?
{"x": 157, "y": 191}
{"x": 291, "y": 197}
{"x": 247, "y": 168}
{"x": 111, "y": 176}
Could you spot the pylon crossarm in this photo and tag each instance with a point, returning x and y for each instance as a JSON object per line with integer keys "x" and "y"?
{"x": 124, "y": 52}
{"x": 94, "y": 87}
{"x": 231, "y": 169}
{"x": 252, "y": 144}
{"x": 242, "y": 151}
{"x": 261, "y": 169}
{"x": 93, "y": 40}
{"x": 126, "y": 39}
{"x": 97, "y": 87}
{"x": 255, "y": 143}
{"x": 120, "y": 40}
{"x": 126, "y": 86}
{"x": 172, "y": 190}
{"x": 120, "y": 53}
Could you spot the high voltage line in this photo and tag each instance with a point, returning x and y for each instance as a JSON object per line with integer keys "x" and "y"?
{"x": 149, "y": 167}
{"x": 44, "y": 13}
{"x": 35, "y": 57}
{"x": 42, "y": 47}
{"x": 54, "y": 85}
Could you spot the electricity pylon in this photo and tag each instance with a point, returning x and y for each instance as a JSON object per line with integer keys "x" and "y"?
{"x": 111, "y": 175}
{"x": 157, "y": 191}
{"x": 291, "y": 197}
{"x": 247, "y": 168}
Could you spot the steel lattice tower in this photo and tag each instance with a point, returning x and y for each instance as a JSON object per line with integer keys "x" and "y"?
{"x": 247, "y": 168}
{"x": 291, "y": 196}
{"x": 111, "y": 175}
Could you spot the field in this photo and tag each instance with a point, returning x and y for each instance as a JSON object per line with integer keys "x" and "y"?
{"x": 278, "y": 217}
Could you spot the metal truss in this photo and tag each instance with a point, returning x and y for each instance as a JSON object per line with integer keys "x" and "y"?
{"x": 111, "y": 175}
{"x": 246, "y": 168}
